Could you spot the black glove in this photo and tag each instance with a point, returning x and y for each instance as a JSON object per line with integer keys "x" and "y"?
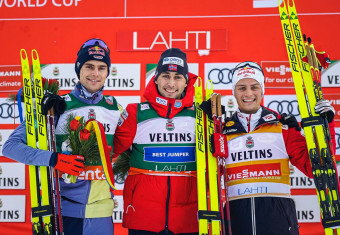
{"x": 325, "y": 109}
{"x": 206, "y": 107}
{"x": 51, "y": 100}
{"x": 290, "y": 121}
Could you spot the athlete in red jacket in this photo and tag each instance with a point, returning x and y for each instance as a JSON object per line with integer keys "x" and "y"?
{"x": 160, "y": 192}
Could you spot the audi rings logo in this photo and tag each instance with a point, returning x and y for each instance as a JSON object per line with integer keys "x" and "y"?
{"x": 337, "y": 141}
{"x": 285, "y": 106}
{"x": 7, "y": 111}
{"x": 220, "y": 76}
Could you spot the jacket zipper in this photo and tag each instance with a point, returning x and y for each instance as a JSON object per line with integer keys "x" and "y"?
{"x": 253, "y": 214}
{"x": 167, "y": 208}
{"x": 248, "y": 122}
{"x": 169, "y": 111}
{"x": 168, "y": 195}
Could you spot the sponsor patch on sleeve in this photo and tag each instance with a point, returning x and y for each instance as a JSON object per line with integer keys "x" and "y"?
{"x": 120, "y": 121}
{"x": 144, "y": 107}
{"x": 269, "y": 117}
{"x": 125, "y": 114}
{"x": 109, "y": 100}
{"x": 67, "y": 98}
{"x": 285, "y": 127}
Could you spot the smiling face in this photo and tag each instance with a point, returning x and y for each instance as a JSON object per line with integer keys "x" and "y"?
{"x": 93, "y": 74}
{"x": 248, "y": 94}
{"x": 171, "y": 84}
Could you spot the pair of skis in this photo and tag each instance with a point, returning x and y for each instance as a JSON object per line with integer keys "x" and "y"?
{"x": 211, "y": 171}
{"x": 46, "y": 209}
{"x": 307, "y": 77}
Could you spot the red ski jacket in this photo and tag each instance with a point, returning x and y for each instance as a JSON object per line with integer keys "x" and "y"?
{"x": 155, "y": 202}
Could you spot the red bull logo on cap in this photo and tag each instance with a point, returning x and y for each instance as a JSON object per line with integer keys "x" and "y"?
{"x": 96, "y": 50}
{"x": 246, "y": 71}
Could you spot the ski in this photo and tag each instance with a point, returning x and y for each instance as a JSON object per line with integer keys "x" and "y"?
{"x": 202, "y": 193}
{"x": 37, "y": 224}
{"x": 42, "y": 207}
{"x": 306, "y": 79}
{"x": 216, "y": 108}
{"x": 210, "y": 197}
{"x": 215, "y": 187}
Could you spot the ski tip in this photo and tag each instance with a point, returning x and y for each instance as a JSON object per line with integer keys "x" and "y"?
{"x": 209, "y": 84}
{"x": 291, "y": 3}
{"x": 198, "y": 82}
{"x": 281, "y": 3}
{"x": 23, "y": 54}
{"x": 35, "y": 54}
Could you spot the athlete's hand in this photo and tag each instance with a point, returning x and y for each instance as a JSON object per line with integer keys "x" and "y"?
{"x": 70, "y": 164}
{"x": 206, "y": 107}
{"x": 51, "y": 100}
{"x": 290, "y": 121}
{"x": 325, "y": 109}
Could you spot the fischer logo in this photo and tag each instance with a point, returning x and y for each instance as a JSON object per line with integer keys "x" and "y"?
{"x": 290, "y": 47}
{"x": 38, "y": 3}
{"x": 282, "y": 69}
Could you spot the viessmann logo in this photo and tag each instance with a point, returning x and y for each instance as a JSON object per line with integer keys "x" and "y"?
{"x": 281, "y": 69}
{"x": 261, "y": 170}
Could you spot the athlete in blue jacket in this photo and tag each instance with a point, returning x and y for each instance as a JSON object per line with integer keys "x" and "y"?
{"x": 87, "y": 205}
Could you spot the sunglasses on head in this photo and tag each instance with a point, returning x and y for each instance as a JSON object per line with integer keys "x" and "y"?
{"x": 96, "y": 42}
{"x": 248, "y": 64}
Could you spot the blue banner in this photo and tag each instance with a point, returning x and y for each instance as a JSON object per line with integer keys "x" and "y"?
{"x": 170, "y": 154}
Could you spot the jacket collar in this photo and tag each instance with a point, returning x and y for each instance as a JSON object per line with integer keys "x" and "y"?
{"x": 85, "y": 96}
{"x": 233, "y": 124}
{"x": 168, "y": 107}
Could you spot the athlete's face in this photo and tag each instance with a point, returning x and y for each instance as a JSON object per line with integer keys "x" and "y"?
{"x": 248, "y": 94}
{"x": 171, "y": 84}
{"x": 93, "y": 74}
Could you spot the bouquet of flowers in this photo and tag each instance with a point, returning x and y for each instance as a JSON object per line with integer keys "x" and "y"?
{"x": 81, "y": 141}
